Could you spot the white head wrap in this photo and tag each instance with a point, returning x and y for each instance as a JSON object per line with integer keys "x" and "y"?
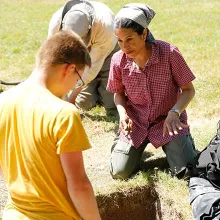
{"x": 139, "y": 13}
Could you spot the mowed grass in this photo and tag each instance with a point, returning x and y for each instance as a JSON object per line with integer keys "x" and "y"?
{"x": 192, "y": 25}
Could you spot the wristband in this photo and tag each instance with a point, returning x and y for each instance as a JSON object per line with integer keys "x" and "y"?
{"x": 175, "y": 110}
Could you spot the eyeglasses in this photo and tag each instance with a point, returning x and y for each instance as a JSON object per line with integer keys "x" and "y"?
{"x": 80, "y": 81}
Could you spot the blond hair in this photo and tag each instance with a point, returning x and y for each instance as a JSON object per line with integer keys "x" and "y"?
{"x": 63, "y": 47}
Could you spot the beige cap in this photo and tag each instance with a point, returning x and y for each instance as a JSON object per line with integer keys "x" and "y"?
{"x": 80, "y": 19}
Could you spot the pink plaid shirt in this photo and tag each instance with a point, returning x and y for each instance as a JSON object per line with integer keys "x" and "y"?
{"x": 151, "y": 92}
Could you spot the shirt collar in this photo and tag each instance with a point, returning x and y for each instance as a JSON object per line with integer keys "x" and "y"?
{"x": 155, "y": 54}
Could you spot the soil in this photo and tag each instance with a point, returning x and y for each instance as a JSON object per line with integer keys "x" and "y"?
{"x": 139, "y": 203}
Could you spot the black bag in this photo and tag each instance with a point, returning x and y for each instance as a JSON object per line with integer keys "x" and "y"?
{"x": 207, "y": 163}
{"x": 204, "y": 187}
{"x": 204, "y": 199}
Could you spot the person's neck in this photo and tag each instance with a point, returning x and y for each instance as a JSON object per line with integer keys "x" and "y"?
{"x": 39, "y": 78}
{"x": 143, "y": 56}
{"x": 43, "y": 79}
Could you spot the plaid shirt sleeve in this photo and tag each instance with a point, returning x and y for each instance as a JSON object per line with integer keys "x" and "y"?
{"x": 180, "y": 70}
{"x": 115, "y": 75}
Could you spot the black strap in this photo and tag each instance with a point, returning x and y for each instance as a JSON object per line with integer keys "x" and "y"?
{"x": 66, "y": 8}
{"x": 9, "y": 83}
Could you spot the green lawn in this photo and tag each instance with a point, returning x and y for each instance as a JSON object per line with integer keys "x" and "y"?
{"x": 191, "y": 25}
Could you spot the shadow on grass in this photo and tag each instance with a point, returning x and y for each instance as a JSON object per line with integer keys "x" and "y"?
{"x": 148, "y": 164}
{"x": 109, "y": 117}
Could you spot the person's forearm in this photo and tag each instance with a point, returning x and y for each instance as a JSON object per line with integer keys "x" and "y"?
{"x": 84, "y": 200}
{"x": 184, "y": 99}
{"x": 120, "y": 102}
{"x": 73, "y": 95}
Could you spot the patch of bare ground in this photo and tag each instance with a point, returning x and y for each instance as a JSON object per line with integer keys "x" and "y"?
{"x": 166, "y": 207}
{"x": 135, "y": 203}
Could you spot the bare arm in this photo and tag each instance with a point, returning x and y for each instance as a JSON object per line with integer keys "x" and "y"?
{"x": 73, "y": 95}
{"x": 172, "y": 123}
{"x": 187, "y": 95}
{"x": 125, "y": 121}
{"x": 79, "y": 186}
{"x": 120, "y": 102}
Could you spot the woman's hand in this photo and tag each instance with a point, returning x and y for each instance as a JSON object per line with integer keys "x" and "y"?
{"x": 125, "y": 124}
{"x": 172, "y": 124}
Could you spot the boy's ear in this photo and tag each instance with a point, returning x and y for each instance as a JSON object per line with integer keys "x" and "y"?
{"x": 70, "y": 69}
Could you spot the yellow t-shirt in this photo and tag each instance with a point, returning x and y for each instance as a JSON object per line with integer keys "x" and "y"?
{"x": 35, "y": 128}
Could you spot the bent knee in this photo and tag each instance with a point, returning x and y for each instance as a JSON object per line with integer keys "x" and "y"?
{"x": 118, "y": 172}
{"x": 85, "y": 102}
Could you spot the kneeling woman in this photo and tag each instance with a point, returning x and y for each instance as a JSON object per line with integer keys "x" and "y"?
{"x": 152, "y": 85}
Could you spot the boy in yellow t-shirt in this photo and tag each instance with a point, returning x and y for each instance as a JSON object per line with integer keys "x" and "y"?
{"x": 42, "y": 138}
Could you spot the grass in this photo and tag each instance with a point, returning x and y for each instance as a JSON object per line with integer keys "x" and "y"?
{"x": 191, "y": 25}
